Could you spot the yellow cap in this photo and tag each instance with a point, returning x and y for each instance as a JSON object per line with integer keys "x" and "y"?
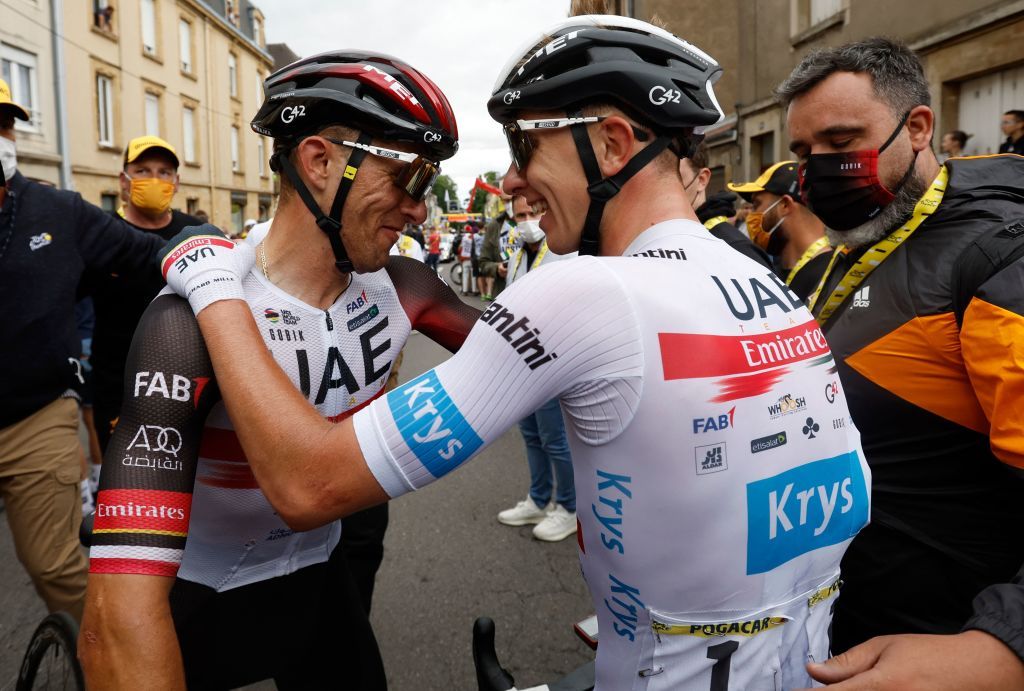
{"x": 140, "y": 145}
{"x": 6, "y": 102}
{"x": 782, "y": 178}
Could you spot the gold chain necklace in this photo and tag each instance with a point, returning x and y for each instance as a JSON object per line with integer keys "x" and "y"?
{"x": 263, "y": 260}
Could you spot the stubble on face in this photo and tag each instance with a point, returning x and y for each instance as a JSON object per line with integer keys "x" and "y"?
{"x": 888, "y": 219}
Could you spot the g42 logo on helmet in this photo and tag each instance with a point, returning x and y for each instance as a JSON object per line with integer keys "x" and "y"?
{"x": 430, "y": 137}
{"x": 660, "y": 95}
{"x": 289, "y": 113}
{"x": 511, "y": 96}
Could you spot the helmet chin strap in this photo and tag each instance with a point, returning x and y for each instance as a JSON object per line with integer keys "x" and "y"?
{"x": 330, "y": 223}
{"x": 602, "y": 189}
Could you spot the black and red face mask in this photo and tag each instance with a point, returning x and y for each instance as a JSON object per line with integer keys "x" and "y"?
{"x": 843, "y": 189}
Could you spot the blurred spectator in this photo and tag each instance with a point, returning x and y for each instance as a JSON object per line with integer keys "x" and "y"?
{"x": 783, "y": 227}
{"x": 149, "y": 180}
{"x": 408, "y": 246}
{"x": 467, "y": 258}
{"x": 247, "y": 227}
{"x": 479, "y": 280}
{"x": 85, "y": 322}
{"x": 433, "y": 248}
{"x": 51, "y": 236}
{"x": 493, "y": 259}
{"x": 1013, "y": 128}
{"x": 715, "y": 212}
{"x": 547, "y": 448}
{"x": 202, "y": 216}
{"x": 952, "y": 145}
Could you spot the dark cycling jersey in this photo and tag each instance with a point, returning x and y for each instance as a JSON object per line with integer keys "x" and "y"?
{"x": 177, "y": 496}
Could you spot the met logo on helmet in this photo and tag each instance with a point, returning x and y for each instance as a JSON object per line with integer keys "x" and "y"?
{"x": 556, "y": 44}
{"x": 660, "y": 95}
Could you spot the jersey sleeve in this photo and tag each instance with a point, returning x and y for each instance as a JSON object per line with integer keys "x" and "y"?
{"x": 145, "y": 494}
{"x": 555, "y": 332}
{"x": 992, "y": 343}
{"x": 432, "y": 307}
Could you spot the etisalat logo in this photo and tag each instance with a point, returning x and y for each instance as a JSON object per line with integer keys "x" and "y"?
{"x": 518, "y": 332}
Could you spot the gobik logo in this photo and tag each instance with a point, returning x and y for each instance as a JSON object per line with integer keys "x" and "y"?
{"x": 711, "y": 458}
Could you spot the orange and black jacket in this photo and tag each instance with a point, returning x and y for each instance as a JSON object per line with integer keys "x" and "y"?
{"x": 940, "y": 409}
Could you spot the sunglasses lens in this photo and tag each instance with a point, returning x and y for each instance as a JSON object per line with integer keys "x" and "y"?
{"x": 418, "y": 177}
{"x": 519, "y": 145}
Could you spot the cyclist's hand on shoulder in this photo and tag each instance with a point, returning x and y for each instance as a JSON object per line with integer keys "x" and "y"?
{"x": 969, "y": 660}
{"x": 203, "y": 266}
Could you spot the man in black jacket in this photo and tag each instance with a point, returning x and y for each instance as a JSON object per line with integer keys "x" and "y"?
{"x": 148, "y": 181}
{"x": 929, "y": 350}
{"x": 47, "y": 238}
{"x": 716, "y": 211}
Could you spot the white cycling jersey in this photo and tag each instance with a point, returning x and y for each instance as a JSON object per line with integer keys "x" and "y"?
{"x": 177, "y": 496}
{"x": 719, "y": 477}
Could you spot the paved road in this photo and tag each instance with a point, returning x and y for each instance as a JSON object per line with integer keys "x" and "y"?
{"x": 447, "y": 561}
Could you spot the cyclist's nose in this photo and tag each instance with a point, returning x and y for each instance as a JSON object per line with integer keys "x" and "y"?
{"x": 514, "y": 181}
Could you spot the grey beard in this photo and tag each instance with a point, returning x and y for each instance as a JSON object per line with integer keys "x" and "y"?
{"x": 889, "y": 219}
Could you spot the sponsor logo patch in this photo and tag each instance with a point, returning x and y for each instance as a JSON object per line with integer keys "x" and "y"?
{"x": 803, "y": 509}
{"x": 364, "y": 318}
{"x": 431, "y": 424}
{"x": 786, "y": 405}
{"x": 772, "y": 441}
{"x": 711, "y": 458}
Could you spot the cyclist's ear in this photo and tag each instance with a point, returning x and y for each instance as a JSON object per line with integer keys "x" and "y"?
{"x": 614, "y": 143}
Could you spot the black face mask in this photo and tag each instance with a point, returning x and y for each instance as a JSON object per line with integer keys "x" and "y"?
{"x": 843, "y": 189}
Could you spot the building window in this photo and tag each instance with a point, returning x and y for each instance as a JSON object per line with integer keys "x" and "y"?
{"x": 259, "y": 88}
{"x": 192, "y": 206}
{"x": 820, "y": 10}
{"x": 185, "y": 45}
{"x": 257, "y": 29}
{"x": 236, "y": 163}
{"x": 233, "y": 75}
{"x": 103, "y": 15}
{"x": 152, "y": 111}
{"x": 105, "y": 109}
{"x": 147, "y": 9}
{"x": 231, "y": 12}
{"x": 109, "y": 202}
{"x": 19, "y": 71}
{"x": 261, "y": 156}
{"x": 188, "y": 129}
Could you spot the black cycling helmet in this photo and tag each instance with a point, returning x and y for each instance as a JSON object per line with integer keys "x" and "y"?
{"x": 374, "y": 93}
{"x": 656, "y": 77}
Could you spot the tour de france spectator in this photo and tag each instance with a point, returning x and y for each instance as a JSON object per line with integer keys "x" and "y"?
{"x": 923, "y": 311}
{"x": 717, "y": 211}
{"x": 551, "y": 502}
{"x": 783, "y": 227}
{"x": 952, "y": 145}
{"x": 408, "y": 245}
{"x": 202, "y": 216}
{"x": 148, "y": 181}
{"x": 50, "y": 237}
{"x": 467, "y": 257}
{"x": 433, "y": 247}
{"x": 493, "y": 260}
{"x": 1013, "y": 128}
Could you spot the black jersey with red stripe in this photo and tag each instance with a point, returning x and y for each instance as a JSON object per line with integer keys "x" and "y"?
{"x": 177, "y": 496}
{"x": 940, "y": 414}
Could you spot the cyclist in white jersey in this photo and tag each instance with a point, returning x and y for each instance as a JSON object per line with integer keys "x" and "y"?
{"x": 719, "y": 477}
{"x": 193, "y": 576}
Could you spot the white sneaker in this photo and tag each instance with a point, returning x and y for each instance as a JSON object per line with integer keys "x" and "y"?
{"x": 558, "y": 525}
{"x": 523, "y": 513}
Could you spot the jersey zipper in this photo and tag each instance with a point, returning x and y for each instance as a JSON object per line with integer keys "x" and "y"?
{"x": 330, "y": 323}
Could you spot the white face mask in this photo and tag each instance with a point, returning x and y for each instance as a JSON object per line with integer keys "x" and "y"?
{"x": 530, "y": 231}
{"x": 8, "y": 157}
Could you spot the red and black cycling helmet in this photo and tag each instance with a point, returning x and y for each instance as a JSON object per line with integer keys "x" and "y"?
{"x": 664, "y": 82}
{"x": 378, "y": 95}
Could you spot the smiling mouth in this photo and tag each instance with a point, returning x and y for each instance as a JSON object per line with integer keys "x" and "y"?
{"x": 539, "y": 206}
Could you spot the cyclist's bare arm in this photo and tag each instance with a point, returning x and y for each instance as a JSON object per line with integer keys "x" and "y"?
{"x": 128, "y": 639}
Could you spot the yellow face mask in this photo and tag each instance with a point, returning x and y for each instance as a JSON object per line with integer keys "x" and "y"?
{"x": 152, "y": 196}
{"x": 755, "y": 226}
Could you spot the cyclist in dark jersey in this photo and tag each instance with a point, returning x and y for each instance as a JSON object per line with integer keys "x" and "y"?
{"x": 193, "y": 576}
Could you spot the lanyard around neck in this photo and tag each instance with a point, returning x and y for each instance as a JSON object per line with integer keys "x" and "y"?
{"x": 536, "y": 261}
{"x": 809, "y": 254}
{"x": 712, "y": 222}
{"x": 878, "y": 252}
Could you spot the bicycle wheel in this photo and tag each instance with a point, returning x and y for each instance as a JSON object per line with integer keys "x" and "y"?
{"x": 455, "y": 276}
{"x": 51, "y": 660}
